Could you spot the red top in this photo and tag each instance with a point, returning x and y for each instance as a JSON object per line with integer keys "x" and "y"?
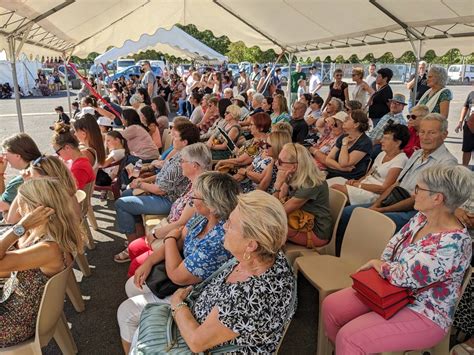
{"x": 413, "y": 142}
{"x": 82, "y": 171}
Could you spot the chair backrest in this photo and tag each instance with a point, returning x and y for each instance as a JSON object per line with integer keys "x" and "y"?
{"x": 366, "y": 236}
{"x": 88, "y": 189}
{"x": 337, "y": 201}
{"x": 80, "y": 196}
{"x": 167, "y": 139}
{"x": 51, "y": 307}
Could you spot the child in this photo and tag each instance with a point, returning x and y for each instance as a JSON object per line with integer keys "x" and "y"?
{"x": 301, "y": 87}
{"x": 76, "y": 110}
{"x": 62, "y": 116}
{"x": 117, "y": 147}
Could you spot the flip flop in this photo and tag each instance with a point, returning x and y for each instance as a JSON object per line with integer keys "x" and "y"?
{"x": 122, "y": 257}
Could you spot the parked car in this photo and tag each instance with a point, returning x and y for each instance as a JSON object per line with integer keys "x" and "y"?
{"x": 461, "y": 73}
{"x": 132, "y": 70}
{"x": 124, "y": 63}
{"x": 95, "y": 70}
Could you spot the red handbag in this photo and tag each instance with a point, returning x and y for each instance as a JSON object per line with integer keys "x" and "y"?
{"x": 379, "y": 294}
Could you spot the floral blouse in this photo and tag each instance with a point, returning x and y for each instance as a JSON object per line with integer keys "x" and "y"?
{"x": 178, "y": 206}
{"x": 435, "y": 257}
{"x": 259, "y": 164}
{"x": 258, "y": 309}
{"x": 170, "y": 179}
{"x": 203, "y": 256}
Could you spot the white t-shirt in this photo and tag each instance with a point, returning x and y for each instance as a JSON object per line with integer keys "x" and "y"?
{"x": 301, "y": 91}
{"x": 380, "y": 170}
{"x": 197, "y": 115}
{"x": 314, "y": 81}
{"x": 370, "y": 79}
{"x": 116, "y": 154}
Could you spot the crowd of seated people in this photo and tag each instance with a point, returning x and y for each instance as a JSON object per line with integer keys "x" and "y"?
{"x": 237, "y": 170}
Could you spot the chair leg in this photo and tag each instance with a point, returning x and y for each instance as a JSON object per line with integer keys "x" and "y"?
{"x": 90, "y": 238}
{"x": 74, "y": 293}
{"x": 81, "y": 260}
{"x": 322, "y": 345}
{"x": 63, "y": 337}
{"x": 91, "y": 218}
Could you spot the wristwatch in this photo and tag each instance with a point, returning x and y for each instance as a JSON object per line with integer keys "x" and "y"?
{"x": 19, "y": 230}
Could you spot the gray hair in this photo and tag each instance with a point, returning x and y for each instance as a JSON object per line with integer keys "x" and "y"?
{"x": 437, "y": 117}
{"x": 136, "y": 98}
{"x": 258, "y": 97}
{"x": 219, "y": 192}
{"x": 198, "y": 153}
{"x": 339, "y": 103}
{"x": 422, "y": 62}
{"x": 251, "y": 92}
{"x": 440, "y": 74}
{"x": 422, "y": 109}
{"x": 454, "y": 182}
{"x": 229, "y": 90}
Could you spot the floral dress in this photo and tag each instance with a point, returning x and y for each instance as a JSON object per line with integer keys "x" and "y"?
{"x": 19, "y": 304}
{"x": 258, "y": 309}
{"x": 259, "y": 164}
{"x": 178, "y": 206}
{"x": 437, "y": 257}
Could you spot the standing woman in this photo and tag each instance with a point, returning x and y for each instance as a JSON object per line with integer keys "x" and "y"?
{"x": 217, "y": 80}
{"x": 338, "y": 88}
{"x": 361, "y": 89}
{"x": 304, "y": 187}
{"x": 30, "y": 259}
{"x": 18, "y": 151}
{"x": 379, "y": 104}
{"x": 243, "y": 82}
{"x": 139, "y": 141}
{"x": 88, "y": 133}
{"x": 151, "y": 125}
{"x": 438, "y": 96}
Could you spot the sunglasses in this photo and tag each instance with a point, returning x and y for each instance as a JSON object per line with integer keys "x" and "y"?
{"x": 412, "y": 117}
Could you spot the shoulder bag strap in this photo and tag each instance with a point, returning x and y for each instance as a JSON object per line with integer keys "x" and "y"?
{"x": 406, "y": 172}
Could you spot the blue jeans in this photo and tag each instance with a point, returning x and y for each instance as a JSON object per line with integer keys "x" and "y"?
{"x": 400, "y": 219}
{"x": 130, "y": 208}
{"x": 181, "y": 107}
{"x": 189, "y": 108}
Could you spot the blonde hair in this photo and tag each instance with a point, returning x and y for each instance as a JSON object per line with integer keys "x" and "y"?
{"x": 282, "y": 105}
{"x": 278, "y": 139}
{"x": 423, "y": 110}
{"x": 358, "y": 71}
{"x": 54, "y": 167}
{"x": 307, "y": 173}
{"x": 63, "y": 225}
{"x": 235, "y": 111}
{"x": 282, "y": 126}
{"x": 263, "y": 219}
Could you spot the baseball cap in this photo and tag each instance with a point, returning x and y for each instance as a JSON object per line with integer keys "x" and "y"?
{"x": 104, "y": 121}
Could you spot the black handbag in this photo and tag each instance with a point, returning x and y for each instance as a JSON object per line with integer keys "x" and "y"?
{"x": 159, "y": 283}
{"x": 396, "y": 195}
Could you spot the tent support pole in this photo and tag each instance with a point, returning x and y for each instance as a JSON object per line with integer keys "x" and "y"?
{"x": 288, "y": 82}
{"x": 66, "y": 62}
{"x": 417, "y": 51}
{"x": 11, "y": 45}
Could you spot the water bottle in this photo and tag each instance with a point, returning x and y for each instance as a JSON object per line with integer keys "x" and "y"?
{"x": 137, "y": 168}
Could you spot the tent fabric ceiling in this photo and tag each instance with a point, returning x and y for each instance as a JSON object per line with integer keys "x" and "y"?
{"x": 305, "y": 27}
{"x": 174, "y": 42}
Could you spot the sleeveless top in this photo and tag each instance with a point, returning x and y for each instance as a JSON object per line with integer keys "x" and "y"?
{"x": 20, "y": 302}
{"x": 360, "y": 95}
{"x": 338, "y": 93}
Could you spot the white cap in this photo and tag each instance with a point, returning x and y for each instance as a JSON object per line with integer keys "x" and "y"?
{"x": 104, "y": 121}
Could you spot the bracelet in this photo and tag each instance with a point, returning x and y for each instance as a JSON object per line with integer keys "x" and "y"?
{"x": 177, "y": 307}
{"x": 168, "y": 237}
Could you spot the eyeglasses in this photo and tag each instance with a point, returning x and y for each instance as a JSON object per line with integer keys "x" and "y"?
{"x": 412, "y": 117}
{"x": 266, "y": 145}
{"x": 418, "y": 189}
{"x": 188, "y": 161}
{"x": 57, "y": 151}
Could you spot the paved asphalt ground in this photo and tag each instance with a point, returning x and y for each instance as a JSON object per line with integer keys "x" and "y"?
{"x": 95, "y": 330}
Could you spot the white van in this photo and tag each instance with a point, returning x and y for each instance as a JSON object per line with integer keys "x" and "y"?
{"x": 463, "y": 73}
{"x": 124, "y": 63}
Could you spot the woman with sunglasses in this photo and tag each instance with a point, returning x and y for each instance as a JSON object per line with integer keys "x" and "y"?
{"x": 413, "y": 119}
{"x": 195, "y": 160}
{"x": 433, "y": 247}
{"x": 18, "y": 151}
{"x": 218, "y": 143}
{"x": 303, "y": 186}
{"x": 200, "y": 242}
{"x": 338, "y": 88}
{"x": 263, "y": 170}
{"x": 66, "y": 146}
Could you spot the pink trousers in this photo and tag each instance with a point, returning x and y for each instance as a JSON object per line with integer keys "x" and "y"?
{"x": 138, "y": 250}
{"x": 355, "y": 329}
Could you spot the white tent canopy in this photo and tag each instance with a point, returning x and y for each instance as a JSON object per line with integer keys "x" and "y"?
{"x": 174, "y": 42}
{"x": 298, "y": 26}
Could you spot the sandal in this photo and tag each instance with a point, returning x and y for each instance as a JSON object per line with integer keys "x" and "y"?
{"x": 122, "y": 257}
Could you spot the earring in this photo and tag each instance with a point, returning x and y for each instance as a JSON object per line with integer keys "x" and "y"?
{"x": 246, "y": 256}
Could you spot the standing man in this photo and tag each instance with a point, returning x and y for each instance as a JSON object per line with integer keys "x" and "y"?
{"x": 314, "y": 81}
{"x": 421, "y": 87}
{"x": 255, "y": 76}
{"x": 148, "y": 80}
{"x": 467, "y": 115}
{"x": 295, "y": 77}
{"x": 189, "y": 81}
{"x": 370, "y": 79}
